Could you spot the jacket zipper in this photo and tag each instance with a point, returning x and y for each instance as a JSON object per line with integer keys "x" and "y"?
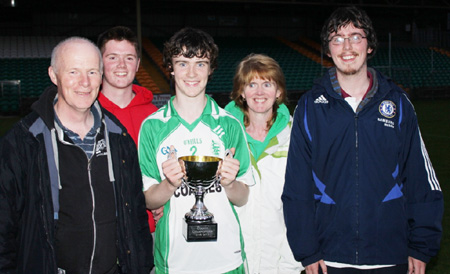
{"x": 93, "y": 200}
{"x": 94, "y": 226}
{"x": 45, "y": 220}
{"x": 357, "y": 187}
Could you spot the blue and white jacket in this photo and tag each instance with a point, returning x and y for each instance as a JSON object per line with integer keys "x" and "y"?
{"x": 360, "y": 188}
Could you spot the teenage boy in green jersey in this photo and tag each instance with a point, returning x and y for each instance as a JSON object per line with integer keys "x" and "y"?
{"x": 193, "y": 124}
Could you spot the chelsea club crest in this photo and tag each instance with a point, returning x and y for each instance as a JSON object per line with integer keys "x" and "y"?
{"x": 387, "y": 108}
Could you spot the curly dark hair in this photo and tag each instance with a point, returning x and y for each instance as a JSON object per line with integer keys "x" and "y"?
{"x": 341, "y": 17}
{"x": 119, "y": 33}
{"x": 190, "y": 42}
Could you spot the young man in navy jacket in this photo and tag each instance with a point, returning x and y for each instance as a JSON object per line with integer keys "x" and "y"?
{"x": 361, "y": 194}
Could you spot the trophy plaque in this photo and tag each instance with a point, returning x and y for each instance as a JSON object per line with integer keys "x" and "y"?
{"x": 199, "y": 223}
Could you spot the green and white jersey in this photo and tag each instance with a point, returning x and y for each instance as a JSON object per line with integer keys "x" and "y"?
{"x": 210, "y": 135}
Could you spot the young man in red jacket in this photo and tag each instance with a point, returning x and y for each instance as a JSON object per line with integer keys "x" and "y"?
{"x": 130, "y": 103}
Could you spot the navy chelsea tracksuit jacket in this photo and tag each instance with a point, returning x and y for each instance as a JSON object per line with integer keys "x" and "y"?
{"x": 360, "y": 188}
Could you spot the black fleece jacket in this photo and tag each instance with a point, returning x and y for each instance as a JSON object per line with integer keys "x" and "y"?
{"x": 29, "y": 194}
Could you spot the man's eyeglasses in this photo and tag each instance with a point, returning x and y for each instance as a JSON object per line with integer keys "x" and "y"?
{"x": 339, "y": 40}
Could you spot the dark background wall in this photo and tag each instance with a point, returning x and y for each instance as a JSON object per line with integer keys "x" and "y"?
{"x": 418, "y": 22}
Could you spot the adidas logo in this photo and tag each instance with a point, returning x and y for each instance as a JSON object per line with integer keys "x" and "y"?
{"x": 321, "y": 100}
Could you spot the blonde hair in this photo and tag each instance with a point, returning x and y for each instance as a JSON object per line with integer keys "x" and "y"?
{"x": 263, "y": 67}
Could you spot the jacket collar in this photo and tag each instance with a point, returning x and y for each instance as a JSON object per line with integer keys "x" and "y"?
{"x": 44, "y": 106}
{"x": 383, "y": 84}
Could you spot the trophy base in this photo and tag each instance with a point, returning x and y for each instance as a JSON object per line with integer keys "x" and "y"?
{"x": 200, "y": 232}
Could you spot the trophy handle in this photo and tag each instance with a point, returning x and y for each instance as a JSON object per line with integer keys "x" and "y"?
{"x": 228, "y": 153}
{"x": 172, "y": 153}
{"x": 219, "y": 177}
{"x": 186, "y": 184}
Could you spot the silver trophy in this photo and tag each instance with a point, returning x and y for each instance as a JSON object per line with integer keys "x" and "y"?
{"x": 201, "y": 172}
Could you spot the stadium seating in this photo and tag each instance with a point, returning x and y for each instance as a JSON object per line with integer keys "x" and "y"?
{"x": 32, "y": 73}
{"x": 428, "y": 67}
{"x": 27, "y": 46}
{"x": 299, "y": 70}
{"x": 27, "y": 59}
{"x": 24, "y": 58}
{"x": 10, "y": 96}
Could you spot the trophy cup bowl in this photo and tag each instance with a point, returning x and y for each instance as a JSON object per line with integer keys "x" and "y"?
{"x": 200, "y": 175}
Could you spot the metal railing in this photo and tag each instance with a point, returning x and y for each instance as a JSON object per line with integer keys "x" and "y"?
{"x": 10, "y": 97}
{"x": 4, "y": 83}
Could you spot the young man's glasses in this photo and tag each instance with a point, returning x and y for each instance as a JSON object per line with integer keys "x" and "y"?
{"x": 339, "y": 40}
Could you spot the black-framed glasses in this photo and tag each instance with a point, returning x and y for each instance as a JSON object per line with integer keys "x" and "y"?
{"x": 353, "y": 39}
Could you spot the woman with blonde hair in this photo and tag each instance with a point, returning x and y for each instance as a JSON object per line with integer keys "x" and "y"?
{"x": 258, "y": 102}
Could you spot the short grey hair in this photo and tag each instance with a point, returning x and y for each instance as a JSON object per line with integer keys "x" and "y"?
{"x": 74, "y": 39}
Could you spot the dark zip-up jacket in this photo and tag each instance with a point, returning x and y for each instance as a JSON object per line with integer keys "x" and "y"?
{"x": 29, "y": 189}
{"x": 360, "y": 188}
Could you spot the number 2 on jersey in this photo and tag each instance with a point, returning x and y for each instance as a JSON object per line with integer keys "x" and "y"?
{"x": 193, "y": 149}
